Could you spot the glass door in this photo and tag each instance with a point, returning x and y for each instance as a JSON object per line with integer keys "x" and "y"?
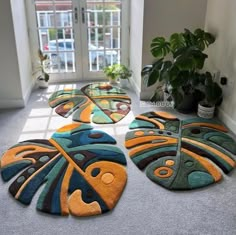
{"x": 102, "y": 25}
{"x": 57, "y": 37}
{"x": 81, "y": 37}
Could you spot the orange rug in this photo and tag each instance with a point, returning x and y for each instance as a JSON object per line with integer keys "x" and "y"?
{"x": 81, "y": 171}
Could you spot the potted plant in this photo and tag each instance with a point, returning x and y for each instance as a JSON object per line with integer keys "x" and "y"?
{"x": 111, "y": 73}
{"x": 213, "y": 96}
{"x": 124, "y": 74}
{"x": 178, "y": 63}
{"x": 43, "y": 78}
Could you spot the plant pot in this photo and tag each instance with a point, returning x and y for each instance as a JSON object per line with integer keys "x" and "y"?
{"x": 112, "y": 80}
{"x": 188, "y": 105}
{"x": 124, "y": 83}
{"x": 42, "y": 83}
{"x": 205, "y": 111}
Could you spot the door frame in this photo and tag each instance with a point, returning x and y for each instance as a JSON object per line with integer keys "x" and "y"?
{"x": 82, "y": 42}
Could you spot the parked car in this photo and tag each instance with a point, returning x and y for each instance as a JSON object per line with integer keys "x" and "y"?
{"x": 66, "y": 48}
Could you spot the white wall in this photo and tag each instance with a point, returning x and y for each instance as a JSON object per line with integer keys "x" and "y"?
{"x": 15, "y": 65}
{"x": 151, "y": 18}
{"x": 10, "y": 87}
{"x": 221, "y": 21}
{"x": 22, "y": 46}
{"x": 136, "y": 41}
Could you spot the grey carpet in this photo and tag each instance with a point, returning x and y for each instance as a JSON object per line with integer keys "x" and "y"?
{"x": 144, "y": 207}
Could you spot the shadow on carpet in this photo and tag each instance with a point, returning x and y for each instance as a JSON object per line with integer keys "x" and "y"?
{"x": 180, "y": 154}
{"x": 83, "y": 172}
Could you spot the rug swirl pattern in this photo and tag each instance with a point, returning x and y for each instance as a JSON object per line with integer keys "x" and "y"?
{"x": 100, "y": 103}
{"x": 180, "y": 154}
{"x": 81, "y": 171}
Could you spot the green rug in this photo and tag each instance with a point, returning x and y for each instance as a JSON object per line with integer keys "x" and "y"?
{"x": 82, "y": 173}
{"x": 98, "y": 102}
{"x": 180, "y": 154}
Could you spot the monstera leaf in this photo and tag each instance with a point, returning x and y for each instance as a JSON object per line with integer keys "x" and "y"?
{"x": 180, "y": 154}
{"x": 82, "y": 173}
{"x": 108, "y": 104}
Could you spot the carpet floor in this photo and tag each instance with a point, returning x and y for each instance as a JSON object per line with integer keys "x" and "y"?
{"x": 144, "y": 207}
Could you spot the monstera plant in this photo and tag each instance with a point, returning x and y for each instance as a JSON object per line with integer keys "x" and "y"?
{"x": 178, "y": 63}
{"x": 213, "y": 96}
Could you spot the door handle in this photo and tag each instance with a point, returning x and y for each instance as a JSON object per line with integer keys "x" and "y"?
{"x": 83, "y": 15}
{"x": 76, "y": 15}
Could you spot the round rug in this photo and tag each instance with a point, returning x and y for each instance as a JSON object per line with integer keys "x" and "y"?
{"x": 180, "y": 154}
{"x": 81, "y": 171}
{"x": 100, "y": 103}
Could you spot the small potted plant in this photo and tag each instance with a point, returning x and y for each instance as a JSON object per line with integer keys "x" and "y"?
{"x": 111, "y": 73}
{"x": 124, "y": 74}
{"x": 213, "y": 96}
{"x": 43, "y": 78}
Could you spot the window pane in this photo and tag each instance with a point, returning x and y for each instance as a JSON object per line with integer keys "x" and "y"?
{"x": 55, "y": 30}
{"x": 113, "y": 37}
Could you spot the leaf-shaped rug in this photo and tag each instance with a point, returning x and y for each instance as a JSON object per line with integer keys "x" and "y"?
{"x": 100, "y": 103}
{"x": 180, "y": 154}
{"x": 83, "y": 172}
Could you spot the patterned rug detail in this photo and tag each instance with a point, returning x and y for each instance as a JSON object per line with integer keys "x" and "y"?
{"x": 82, "y": 172}
{"x": 180, "y": 154}
{"x": 107, "y": 103}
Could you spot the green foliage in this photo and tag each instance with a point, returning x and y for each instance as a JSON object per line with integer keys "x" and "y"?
{"x": 110, "y": 71}
{"x": 123, "y": 72}
{"x": 43, "y": 64}
{"x": 179, "y": 60}
{"x": 212, "y": 91}
{"x": 160, "y": 47}
{"x": 117, "y": 70}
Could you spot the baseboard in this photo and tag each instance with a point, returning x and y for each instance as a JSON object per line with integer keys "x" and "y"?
{"x": 227, "y": 120}
{"x": 17, "y": 103}
{"x": 12, "y": 103}
{"x": 28, "y": 92}
{"x": 135, "y": 87}
{"x": 145, "y": 95}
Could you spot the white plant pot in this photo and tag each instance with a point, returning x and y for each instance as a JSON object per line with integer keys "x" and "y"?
{"x": 112, "y": 81}
{"x": 42, "y": 83}
{"x": 124, "y": 83}
{"x": 205, "y": 112}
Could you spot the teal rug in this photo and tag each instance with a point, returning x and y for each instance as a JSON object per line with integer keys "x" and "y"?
{"x": 180, "y": 154}
{"x": 82, "y": 171}
{"x": 100, "y": 103}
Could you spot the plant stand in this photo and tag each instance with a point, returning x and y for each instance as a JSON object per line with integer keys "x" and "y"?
{"x": 205, "y": 112}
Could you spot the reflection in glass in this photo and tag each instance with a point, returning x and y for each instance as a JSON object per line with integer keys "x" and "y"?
{"x": 104, "y": 33}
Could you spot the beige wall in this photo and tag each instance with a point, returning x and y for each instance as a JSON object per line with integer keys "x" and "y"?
{"x": 221, "y": 20}
{"x": 164, "y": 17}
{"x": 151, "y": 18}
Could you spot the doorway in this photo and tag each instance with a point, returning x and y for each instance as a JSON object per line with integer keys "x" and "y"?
{"x": 81, "y": 37}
